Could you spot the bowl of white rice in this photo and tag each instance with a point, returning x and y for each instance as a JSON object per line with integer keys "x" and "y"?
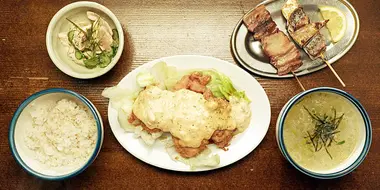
{"x": 56, "y": 134}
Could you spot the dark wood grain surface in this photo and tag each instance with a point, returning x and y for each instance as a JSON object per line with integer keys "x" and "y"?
{"x": 155, "y": 29}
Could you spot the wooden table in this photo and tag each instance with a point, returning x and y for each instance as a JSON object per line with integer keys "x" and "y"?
{"x": 155, "y": 29}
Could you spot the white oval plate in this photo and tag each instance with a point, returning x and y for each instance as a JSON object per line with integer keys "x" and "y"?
{"x": 241, "y": 145}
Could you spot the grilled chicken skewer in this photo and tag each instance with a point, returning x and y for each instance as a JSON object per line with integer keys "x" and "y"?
{"x": 283, "y": 54}
{"x": 305, "y": 33}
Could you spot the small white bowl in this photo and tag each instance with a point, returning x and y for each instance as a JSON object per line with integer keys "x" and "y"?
{"x": 354, "y": 160}
{"x": 22, "y": 119}
{"x": 58, "y": 24}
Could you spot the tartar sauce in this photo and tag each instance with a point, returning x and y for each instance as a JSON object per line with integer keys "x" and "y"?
{"x": 188, "y": 116}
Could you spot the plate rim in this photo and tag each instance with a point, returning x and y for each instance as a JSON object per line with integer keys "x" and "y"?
{"x": 203, "y": 169}
{"x": 241, "y": 62}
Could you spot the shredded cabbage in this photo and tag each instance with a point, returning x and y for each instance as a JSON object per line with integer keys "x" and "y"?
{"x": 144, "y": 79}
{"x": 122, "y": 117}
{"x": 148, "y": 138}
{"x": 204, "y": 159}
{"x": 122, "y": 100}
{"x": 221, "y": 86}
{"x": 119, "y": 96}
{"x": 160, "y": 74}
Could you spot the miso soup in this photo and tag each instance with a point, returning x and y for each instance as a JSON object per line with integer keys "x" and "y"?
{"x": 322, "y": 130}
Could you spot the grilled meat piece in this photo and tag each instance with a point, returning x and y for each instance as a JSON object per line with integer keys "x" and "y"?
{"x": 149, "y": 130}
{"x": 297, "y": 20}
{"x": 188, "y": 152}
{"x": 289, "y": 62}
{"x": 195, "y": 82}
{"x": 260, "y": 23}
{"x": 289, "y": 8}
{"x": 136, "y": 122}
{"x": 290, "y": 56}
{"x": 276, "y": 44}
{"x": 290, "y": 66}
{"x": 222, "y": 138}
{"x": 316, "y": 46}
{"x": 282, "y": 52}
{"x": 256, "y": 18}
{"x": 304, "y": 34}
{"x": 267, "y": 28}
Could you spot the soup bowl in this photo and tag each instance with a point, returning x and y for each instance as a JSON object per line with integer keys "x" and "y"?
{"x": 285, "y": 140}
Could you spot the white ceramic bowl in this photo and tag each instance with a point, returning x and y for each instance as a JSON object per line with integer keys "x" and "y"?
{"x": 22, "y": 119}
{"x": 358, "y": 155}
{"x": 58, "y": 24}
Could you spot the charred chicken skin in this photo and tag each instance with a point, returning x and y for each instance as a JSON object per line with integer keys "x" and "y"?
{"x": 282, "y": 52}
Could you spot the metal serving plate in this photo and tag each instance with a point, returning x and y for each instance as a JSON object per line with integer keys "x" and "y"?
{"x": 249, "y": 52}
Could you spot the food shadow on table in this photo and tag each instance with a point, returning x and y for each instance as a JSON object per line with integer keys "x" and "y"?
{"x": 294, "y": 177}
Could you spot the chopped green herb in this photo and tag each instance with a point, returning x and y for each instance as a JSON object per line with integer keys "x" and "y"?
{"x": 78, "y": 55}
{"x": 323, "y": 134}
{"x": 341, "y": 142}
{"x": 114, "y": 50}
{"x": 89, "y": 32}
{"x": 76, "y": 26}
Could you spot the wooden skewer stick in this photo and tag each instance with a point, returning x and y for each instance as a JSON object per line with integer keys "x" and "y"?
{"x": 298, "y": 80}
{"x": 333, "y": 71}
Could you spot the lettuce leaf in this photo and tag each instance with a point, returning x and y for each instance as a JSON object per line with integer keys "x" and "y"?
{"x": 221, "y": 86}
{"x": 160, "y": 74}
{"x": 144, "y": 79}
{"x": 119, "y": 96}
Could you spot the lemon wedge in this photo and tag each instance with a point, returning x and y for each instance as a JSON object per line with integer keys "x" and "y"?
{"x": 337, "y": 22}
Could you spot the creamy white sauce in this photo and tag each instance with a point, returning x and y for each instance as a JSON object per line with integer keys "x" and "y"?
{"x": 188, "y": 116}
